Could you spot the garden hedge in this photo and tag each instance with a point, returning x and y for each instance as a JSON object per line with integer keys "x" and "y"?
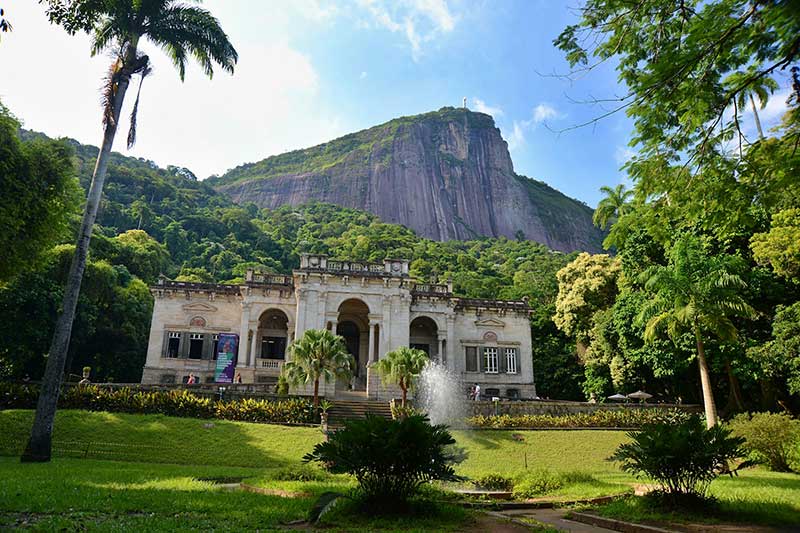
{"x": 180, "y": 403}
{"x": 623, "y": 418}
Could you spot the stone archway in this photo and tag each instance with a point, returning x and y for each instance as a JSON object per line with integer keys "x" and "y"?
{"x": 273, "y": 335}
{"x": 423, "y": 334}
{"x": 353, "y": 325}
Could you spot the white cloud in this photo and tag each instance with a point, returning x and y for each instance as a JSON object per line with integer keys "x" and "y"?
{"x": 270, "y": 105}
{"x": 623, "y": 154}
{"x": 421, "y": 21}
{"x": 363, "y": 75}
{"x": 483, "y": 107}
{"x": 517, "y": 137}
{"x": 543, "y": 112}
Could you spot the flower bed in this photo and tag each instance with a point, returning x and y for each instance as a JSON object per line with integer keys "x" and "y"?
{"x": 181, "y": 403}
{"x": 633, "y": 418}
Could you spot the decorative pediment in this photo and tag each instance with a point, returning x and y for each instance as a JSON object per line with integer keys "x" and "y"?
{"x": 490, "y": 323}
{"x": 199, "y": 307}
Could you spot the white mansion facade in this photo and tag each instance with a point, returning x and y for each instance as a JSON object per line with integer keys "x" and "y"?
{"x": 375, "y": 307}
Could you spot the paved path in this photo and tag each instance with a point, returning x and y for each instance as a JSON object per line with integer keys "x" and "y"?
{"x": 554, "y": 518}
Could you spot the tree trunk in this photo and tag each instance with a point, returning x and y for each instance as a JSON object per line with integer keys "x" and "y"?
{"x": 735, "y": 401}
{"x": 316, "y": 393}
{"x": 39, "y": 447}
{"x": 755, "y": 116}
{"x": 705, "y": 381}
{"x": 403, "y": 388}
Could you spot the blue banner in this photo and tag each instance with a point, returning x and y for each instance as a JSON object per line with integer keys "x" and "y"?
{"x": 226, "y": 357}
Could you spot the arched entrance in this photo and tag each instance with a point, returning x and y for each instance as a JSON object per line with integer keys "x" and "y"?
{"x": 273, "y": 335}
{"x": 423, "y": 335}
{"x": 353, "y": 325}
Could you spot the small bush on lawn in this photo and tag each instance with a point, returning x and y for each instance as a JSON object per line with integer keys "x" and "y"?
{"x": 494, "y": 482}
{"x": 622, "y": 418}
{"x": 390, "y": 459}
{"x": 301, "y": 473}
{"x": 536, "y": 482}
{"x": 772, "y": 438}
{"x": 683, "y": 459}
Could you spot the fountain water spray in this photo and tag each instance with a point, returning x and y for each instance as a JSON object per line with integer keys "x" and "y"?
{"x": 440, "y": 394}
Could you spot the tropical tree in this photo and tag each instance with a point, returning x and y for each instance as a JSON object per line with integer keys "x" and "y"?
{"x": 760, "y": 87}
{"x": 402, "y": 367}
{"x": 616, "y": 203}
{"x": 318, "y": 354}
{"x": 698, "y": 293}
{"x": 118, "y": 26}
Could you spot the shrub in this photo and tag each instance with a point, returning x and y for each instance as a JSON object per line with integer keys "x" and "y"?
{"x": 390, "y": 459}
{"x": 537, "y": 482}
{"x": 402, "y": 411}
{"x": 773, "y": 438}
{"x": 683, "y": 459}
{"x": 494, "y": 482}
{"x": 621, "y": 418}
{"x": 282, "y": 387}
{"x": 300, "y": 473}
{"x": 181, "y": 403}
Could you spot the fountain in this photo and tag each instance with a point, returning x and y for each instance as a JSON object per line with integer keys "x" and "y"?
{"x": 440, "y": 394}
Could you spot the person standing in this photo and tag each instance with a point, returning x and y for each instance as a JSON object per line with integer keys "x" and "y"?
{"x": 191, "y": 380}
{"x": 477, "y": 392}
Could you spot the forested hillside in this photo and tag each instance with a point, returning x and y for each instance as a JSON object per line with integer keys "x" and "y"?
{"x": 162, "y": 220}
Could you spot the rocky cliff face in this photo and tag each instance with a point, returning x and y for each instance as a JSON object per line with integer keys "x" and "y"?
{"x": 446, "y": 175}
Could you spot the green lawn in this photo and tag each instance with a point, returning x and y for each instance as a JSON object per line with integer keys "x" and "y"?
{"x": 120, "y": 472}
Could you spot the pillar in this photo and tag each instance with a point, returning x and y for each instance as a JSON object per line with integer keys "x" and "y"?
{"x": 254, "y": 349}
{"x": 244, "y": 342}
{"x": 373, "y": 356}
{"x": 440, "y": 354}
{"x": 450, "y": 356}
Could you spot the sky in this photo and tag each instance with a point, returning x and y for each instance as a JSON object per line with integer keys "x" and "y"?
{"x": 312, "y": 70}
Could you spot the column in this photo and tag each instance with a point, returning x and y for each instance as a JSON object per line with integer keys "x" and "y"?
{"x": 334, "y": 322}
{"x": 449, "y": 357}
{"x": 241, "y": 362}
{"x": 441, "y": 350}
{"x": 254, "y": 349}
{"x": 372, "y": 355}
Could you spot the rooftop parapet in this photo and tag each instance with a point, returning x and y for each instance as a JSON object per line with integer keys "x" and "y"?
{"x": 321, "y": 263}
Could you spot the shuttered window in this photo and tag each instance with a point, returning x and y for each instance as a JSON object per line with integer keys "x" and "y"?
{"x": 511, "y": 360}
{"x": 471, "y": 355}
{"x": 490, "y": 360}
{"x": 173, "y": 344}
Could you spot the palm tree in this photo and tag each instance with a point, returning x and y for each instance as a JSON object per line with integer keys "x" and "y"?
{"x": 402, "y": 367}
{"x": 318, "y": 354}
{"x": 754, "y": 86}
{"x": 118, "y": 26}
{"x": 613, "y": 206}
{"x": 696, "y": 293}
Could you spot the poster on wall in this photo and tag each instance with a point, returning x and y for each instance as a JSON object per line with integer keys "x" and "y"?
{"x": 226, "y": 357}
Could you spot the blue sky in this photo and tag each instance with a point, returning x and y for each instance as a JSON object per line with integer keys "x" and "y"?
{"x": 312, "y": 70}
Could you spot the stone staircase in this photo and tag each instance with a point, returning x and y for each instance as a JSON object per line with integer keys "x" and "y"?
{"x": 356, "y": 409}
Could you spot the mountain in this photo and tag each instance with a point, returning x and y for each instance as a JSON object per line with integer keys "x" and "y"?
{"x": 445, "y": 174}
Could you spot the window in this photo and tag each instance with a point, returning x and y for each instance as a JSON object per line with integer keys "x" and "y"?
{"x": 490, "y": 358}
{"x": 512, "y": 394}
{"x": 492, "y": 393}
{"x": 511, "y": 360}
{"x": 173, "y": 345}
{"x": 196, "y": 346}
{"x": 167, "y": 379}
{"x": 215, "y": 346}
{"x": 273, "y": 347}
{"x": 424, "y": 347}
{"x": 471, "y": 355}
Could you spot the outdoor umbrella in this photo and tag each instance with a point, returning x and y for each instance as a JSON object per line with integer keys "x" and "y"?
{"x": 618, "y": 397}
{"x": 639, "y": 395}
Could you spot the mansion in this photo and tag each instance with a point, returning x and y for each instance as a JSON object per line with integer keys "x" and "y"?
{"x": 375, "y": 307}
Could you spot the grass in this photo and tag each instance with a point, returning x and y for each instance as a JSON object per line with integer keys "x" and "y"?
{"x": 756, "y": 496}
{"x": 155, "y": 478}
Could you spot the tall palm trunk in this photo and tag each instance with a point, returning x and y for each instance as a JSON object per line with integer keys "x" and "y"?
{"x": 705, "y": 382}
{"x": 39, "y": 447}
{"x": 404, "y": 389}
{"x": 755, "y": 115}
{"x": 316, "y": 393}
